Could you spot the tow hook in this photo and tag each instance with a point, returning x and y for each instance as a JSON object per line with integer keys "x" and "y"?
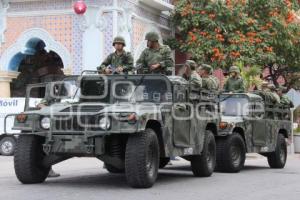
{"x": 89, "y": 149}
{"x": 47, "y": 148}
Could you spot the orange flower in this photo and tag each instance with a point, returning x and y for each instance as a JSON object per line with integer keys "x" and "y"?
{"x": 290, "y": 17}
{"x": 220, "y": 37}
{"x": 218, "y": 30}
{"x": 203, "y": 33}
{"x": 193, "y": 36}
{"x": 251, "y": 34}
{"x": 212, "y": 16}
{"x": 202, "y": 12}
{"x": 258, "y": 40}
{"x": 269, "y": 25}
{"x": 235, "y": 54}
{"x": 217, "y": 55}
{"x": 269, "y": 49}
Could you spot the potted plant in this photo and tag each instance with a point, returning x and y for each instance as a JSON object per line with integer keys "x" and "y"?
{"x": 297, "y": 140}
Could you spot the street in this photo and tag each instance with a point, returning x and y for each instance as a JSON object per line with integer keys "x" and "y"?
{"x": 85, "y": 178}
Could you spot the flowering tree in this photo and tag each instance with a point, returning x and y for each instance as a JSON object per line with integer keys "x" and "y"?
{"x": 254, "y": 33}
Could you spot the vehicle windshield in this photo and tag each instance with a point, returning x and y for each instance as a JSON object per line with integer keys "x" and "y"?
{"x": 132, "y": 89}
{"x": 65, "y": 90}
{"x": 234, "y": 105}
{"x": 143, "y": 90}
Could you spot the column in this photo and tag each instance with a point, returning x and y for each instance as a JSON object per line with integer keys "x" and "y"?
{"x": 93, "y": 39}
{"x": 5, "y": 80}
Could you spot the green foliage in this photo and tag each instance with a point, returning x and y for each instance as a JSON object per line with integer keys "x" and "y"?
{"x": 257, "y": 33}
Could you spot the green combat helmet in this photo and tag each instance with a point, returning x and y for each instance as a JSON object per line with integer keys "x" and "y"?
{"x": 207, "y": 68}
{"x": 234, "y": 69}
{"x": 152, "y": 36}
{"x": 192, "y": 64}
{"x": 119, "y": 40}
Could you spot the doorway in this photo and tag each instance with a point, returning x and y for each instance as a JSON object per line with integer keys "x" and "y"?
{"x": 36, "y": 66}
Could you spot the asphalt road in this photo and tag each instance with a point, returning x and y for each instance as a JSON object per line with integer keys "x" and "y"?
{"x": 86, "y": 179}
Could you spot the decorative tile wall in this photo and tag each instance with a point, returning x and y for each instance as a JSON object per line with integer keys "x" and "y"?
{"x": 65, "y": 28}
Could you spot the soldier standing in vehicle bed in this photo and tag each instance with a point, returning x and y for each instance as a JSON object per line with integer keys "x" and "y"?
{"x": 156, "y": 58}
{"x": 209, "y": 82}
{"x": 118, "y": 62}
{"x": 189, "y": 73}
{"x": 235, "y": 83}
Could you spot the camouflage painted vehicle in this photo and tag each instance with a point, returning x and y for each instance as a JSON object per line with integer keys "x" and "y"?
{"x": 250, "y": 123}
{"x": 133, "y": 123}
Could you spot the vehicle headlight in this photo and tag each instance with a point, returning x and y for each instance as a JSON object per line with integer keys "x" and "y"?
{"x": 45, "y": 123}
{"x": 105, "y": 123}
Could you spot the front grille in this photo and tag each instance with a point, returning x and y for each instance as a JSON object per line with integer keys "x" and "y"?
{"x": 75, "y": 123}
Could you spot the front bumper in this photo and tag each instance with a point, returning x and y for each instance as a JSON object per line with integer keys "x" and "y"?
{"x": 60, "y": 125}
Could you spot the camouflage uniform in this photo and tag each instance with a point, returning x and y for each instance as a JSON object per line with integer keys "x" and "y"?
{"x": 114, "y": 60}
{"x": 211, "y": 82}
{"x": 195, "y": 78}
{"x": 236, "y": 84}
{"x": 149, "y": 56}
{"x": 284, "y": 100}
{"x": 273, "y": 95}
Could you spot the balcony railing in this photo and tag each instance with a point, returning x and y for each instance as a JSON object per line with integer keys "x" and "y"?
{"x": 162, "y": 5}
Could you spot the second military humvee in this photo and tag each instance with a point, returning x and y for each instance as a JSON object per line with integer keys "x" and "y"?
{"x": 133, "y": 123}
{"x": 251, "y": 123}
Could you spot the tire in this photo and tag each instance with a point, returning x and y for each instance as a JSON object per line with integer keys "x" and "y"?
{"x": 163, "y": 162}
{"x": 142, "y": 159}
{"x": 203, "y": 165}
{"x": 277, "y": 159}
{"x": 112, "y": 169}
{"x": 28, "y": 160}
{"x": 7, "y": 146}
{"x": 231, "y": 153}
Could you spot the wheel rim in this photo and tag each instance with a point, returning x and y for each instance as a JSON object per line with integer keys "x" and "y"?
{"x": 236, "y": 155}
{"x": 282, "y": 154}
{"x": 150, "y": 162}
{"x": 210, "y": 156}
{"x": 7, "y": 147}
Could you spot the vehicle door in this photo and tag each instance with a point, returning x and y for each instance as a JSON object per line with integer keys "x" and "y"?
{"x": 259, "y": 134}
{"x": 181, "y": 112}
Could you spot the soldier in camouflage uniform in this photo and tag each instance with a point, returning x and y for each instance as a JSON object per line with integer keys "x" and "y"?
{"x": 235, "y": 83}
{"x": 209, "y": 82}
{"x": 284, "y": 100}
{"x": 274, "y": 96}
{"x": 156, "y": 58}
{"x": 118, "y": 62}
{"x": 188, "y": 72}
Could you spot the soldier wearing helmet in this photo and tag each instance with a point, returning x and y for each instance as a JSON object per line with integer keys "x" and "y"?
{"x": 235, "y": 83}
{"x": 156, "y": 58}
{"x": 209, "y": 82}
{"x": 188, "y": 72}
{"x": 118, "y": 62}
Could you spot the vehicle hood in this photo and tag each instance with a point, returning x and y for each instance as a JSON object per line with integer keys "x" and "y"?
{"x": 93, "y": 108}
{"x": 232, "y": 119}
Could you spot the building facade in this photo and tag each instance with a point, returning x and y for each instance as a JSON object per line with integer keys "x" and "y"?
{"x": 49, "y": 31}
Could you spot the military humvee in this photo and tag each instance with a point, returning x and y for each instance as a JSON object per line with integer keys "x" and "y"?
{"x": 250, "y": 123}
{"x": 133, "y": 123}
